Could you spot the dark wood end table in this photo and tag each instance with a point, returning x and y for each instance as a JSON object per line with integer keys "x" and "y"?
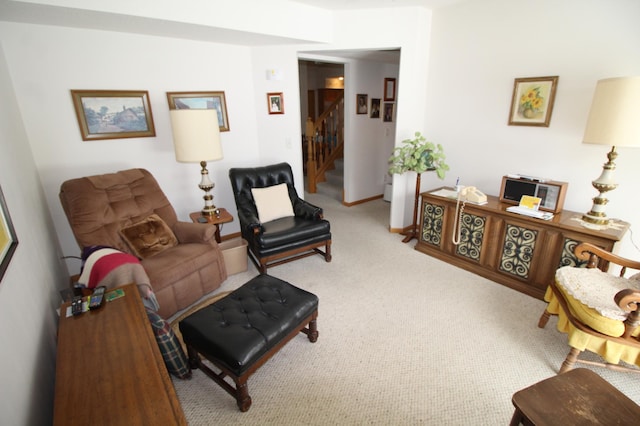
{"x": 577, "y": 397}
{"x": 218, "y": 220}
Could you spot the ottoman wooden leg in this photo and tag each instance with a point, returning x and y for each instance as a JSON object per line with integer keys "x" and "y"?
{"x": 242, "y": 394}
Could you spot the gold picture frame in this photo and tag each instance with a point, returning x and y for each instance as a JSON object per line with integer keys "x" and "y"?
{"x": 532, "y": 101}
{"x": 113, "y": 114}
{"x": 202, "y": 100}
{"x": 8, "y": 238}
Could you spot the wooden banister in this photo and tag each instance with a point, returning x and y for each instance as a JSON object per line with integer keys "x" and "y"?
{"x": 324, "y": 142}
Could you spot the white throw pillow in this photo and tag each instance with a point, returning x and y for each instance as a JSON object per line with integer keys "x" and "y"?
{"x": 272, "y": 202}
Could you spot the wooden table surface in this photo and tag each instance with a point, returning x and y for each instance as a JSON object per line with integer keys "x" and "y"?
{"x": 109, "y": 370}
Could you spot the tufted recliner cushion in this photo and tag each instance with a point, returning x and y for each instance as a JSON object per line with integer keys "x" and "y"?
{"x": 98, "y": 207}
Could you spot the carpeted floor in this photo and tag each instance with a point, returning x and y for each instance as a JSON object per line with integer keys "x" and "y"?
{"x": 404, "y": 339}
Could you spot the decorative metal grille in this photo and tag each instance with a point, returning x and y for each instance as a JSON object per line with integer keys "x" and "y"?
{"x": 471, "y": 233}
{"x": 567, "y": 258}
{"x": 518, "y": 250}
{"x": 432, "y": 224}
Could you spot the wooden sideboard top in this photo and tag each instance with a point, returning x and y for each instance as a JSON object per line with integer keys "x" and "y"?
{"x": 565, "y": 220}
{"x": 109, "y": 369}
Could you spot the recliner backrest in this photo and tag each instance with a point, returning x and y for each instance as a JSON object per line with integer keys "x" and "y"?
{"x": 97, "y": 207}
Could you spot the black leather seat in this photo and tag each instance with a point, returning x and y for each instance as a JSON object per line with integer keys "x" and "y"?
{"x": 281, "y": 240}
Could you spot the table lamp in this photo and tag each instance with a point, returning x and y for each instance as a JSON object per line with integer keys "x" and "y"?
{"x": 614, "y": 120}
{"x": 196, "y": 139}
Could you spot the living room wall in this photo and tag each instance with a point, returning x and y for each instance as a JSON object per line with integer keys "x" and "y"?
{"x": 480, "y": 47}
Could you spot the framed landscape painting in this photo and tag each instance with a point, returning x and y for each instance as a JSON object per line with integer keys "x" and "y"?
{"x": 201, "y": 100}
{"x": 113, "y": 114}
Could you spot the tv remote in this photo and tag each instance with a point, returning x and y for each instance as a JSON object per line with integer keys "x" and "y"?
{"x": 95, "y": 300}
{"x": 76, "y": 305}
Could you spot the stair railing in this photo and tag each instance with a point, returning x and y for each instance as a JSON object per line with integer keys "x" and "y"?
{"x": 324, "y": 142}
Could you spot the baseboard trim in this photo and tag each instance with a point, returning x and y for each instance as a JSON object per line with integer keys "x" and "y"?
{"x": 365, "y": 200}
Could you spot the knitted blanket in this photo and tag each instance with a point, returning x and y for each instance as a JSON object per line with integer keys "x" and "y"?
{"x": 105, "y": 266}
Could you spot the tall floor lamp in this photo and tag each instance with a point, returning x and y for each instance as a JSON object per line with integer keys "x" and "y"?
{"x": 614, "y": 120}
{"x": 196, "y": 139}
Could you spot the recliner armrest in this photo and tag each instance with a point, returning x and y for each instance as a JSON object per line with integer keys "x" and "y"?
{"x": 188, "y": 232}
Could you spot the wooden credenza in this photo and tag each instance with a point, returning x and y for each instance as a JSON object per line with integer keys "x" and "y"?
{"x": 109, "y": 370}
{"x": 514, "y": 250}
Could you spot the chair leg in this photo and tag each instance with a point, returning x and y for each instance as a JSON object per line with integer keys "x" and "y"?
{"x": 544, "y": 318}
{"x": 570, "y": 360}
{"x": 327, "y": 252}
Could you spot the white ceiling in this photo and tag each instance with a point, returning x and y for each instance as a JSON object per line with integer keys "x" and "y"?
{"x": 376, "y": 4}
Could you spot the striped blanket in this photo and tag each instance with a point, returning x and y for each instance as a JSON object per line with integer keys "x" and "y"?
{"x": 105, "y": 266}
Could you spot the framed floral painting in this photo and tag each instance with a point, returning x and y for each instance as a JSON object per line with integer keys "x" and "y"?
{"x": 532, "y": 101}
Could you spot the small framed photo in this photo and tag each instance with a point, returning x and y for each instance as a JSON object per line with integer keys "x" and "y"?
{"x": 8, "y": 239}
{"x": 275, "y": 103}
{"x": 201, "y": 100}
{"x": 390, "y": 89}
{"x": 387, "y": 116}
{"x": 532, "y": 101}
{"x": 361, "y": 104}
{"x": 113, "y": 114}
{"x": 375, "y": 108}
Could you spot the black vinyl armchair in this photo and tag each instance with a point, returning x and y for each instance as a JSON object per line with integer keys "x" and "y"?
{"x": 277, "y": 232}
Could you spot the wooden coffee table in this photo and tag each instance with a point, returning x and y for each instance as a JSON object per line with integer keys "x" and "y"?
{"x": 109, "y": 369}
{"x": 577, "y": 397}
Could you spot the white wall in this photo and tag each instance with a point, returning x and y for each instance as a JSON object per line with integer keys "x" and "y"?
{"x": 480, "y": 47}
{"x": 125, "y": 61}
{"x": 29, "y": 289}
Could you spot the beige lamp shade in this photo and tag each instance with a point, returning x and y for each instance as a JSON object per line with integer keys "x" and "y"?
{"x": 614, "y": 118}
{"x": 196, "y": 135}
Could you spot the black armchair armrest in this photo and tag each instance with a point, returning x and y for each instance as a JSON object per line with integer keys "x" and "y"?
{"x": 304, "y": 209}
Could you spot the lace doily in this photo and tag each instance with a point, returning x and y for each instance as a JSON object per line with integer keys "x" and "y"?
{"x": 596, "y": 289}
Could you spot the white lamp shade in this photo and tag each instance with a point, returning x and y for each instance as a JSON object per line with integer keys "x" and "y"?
{"x": 196, "y": 135}
{"x": 614, "y": 118}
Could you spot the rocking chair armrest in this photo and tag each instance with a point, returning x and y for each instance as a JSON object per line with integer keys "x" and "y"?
{"x": 591, "y": 253}
{"x": 629, "y": 301}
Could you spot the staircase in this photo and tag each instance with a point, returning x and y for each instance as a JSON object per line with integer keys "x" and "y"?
{"x": 334, "y": 184}
{"x": 323, "y": 148}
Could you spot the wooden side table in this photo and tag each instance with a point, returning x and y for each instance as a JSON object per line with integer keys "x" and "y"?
{"x": 218, "y": 220}
{"x": 577, "y": 397}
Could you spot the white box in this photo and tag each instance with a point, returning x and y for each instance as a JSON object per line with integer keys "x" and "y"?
{"x": 234, "y": 253}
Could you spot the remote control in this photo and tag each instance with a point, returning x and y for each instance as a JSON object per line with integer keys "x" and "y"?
{"x": 95, "y": 300}
{"x": 76, "y": 305}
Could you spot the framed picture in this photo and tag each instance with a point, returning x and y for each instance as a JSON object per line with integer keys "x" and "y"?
{"x": 201, "y": 100}
{"x": 388, "y": 112}
{"x": 113, "y": 114}
{"x": 375, "y": 108}
{"x": 532, "y": 101}
{"x": 8, "y": 239}
{"x": 275, "y": 103}
{"x": 389, "y": 89}
{"x": 361, "y": 104}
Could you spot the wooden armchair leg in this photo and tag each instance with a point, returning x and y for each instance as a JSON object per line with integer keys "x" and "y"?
{"x": 570, "y": 360}
{"x": 544, "y": 318}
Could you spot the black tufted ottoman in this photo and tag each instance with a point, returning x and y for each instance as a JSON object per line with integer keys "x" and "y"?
{"x": 241, "y": 331}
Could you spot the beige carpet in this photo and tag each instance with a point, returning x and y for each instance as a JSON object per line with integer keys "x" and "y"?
{"x": 404, "y": 339}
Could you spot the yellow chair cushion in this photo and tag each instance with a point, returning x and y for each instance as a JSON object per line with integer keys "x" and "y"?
{"x": 590, "y": 296}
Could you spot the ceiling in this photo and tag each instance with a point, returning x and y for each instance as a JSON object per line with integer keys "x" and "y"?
{"x": 376, "y": 4}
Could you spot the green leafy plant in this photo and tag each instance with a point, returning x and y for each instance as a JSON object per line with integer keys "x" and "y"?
{"x": 418, "y": 155}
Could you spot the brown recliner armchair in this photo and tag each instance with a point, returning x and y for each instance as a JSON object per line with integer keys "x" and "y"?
{"x": 102, "y": 208}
